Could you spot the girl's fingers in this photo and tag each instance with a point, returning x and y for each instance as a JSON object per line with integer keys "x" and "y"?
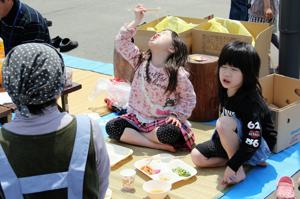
{"x": 139, "y": 5}
{"x": 168, "y": 120}
{"x": 179, "y": 124}
{"x": 173, "y": 121}
{"x": 139, "y": 8}
{"x": 176, "y": 122}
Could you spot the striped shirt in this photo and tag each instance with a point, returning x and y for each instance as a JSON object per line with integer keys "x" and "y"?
{"x": 23, "y": 24}
{"x": 261, "y": 19}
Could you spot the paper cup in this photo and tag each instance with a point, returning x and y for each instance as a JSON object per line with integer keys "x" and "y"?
{"x": 69, "y": 74}
{"x": 128, "y": 176}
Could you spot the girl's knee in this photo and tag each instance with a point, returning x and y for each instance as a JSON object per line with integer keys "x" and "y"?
{"x": 168, "y": 134}
{"x": 198, "y": 158}
{"x": 115, "y": 128}
{"x": 225, "y": 124}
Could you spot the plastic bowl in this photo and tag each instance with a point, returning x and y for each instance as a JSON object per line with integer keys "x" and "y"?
{"x": 157, "y": 189}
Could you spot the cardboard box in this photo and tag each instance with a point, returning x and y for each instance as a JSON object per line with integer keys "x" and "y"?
{"x": 122, "y": 68}
{"x": 201, "y": 41}
{"x": 283, "y": 96}
{"x": 143, "y": 35}
{"x": 211, "y": 43}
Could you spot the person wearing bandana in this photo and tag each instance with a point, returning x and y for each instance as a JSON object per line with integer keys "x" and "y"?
{"x": 45, "y": 153}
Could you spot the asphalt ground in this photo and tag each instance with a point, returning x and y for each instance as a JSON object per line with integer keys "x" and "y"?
{"x": 94, "y": 23}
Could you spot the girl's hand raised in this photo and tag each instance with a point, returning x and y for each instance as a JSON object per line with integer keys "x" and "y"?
{"x": 139, "y": 12}
{"x": 173, "y": 120}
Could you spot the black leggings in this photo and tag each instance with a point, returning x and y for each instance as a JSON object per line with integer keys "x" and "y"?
{"x": 166, "y": 133}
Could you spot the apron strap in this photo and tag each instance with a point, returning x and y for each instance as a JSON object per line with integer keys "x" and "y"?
{"x": 72, "y": 179}
{"x": 9, "y": 181}
{"x": 79, "y": 157}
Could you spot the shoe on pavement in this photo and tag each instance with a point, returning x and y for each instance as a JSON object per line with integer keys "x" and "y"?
{"x": 66, "y": 45}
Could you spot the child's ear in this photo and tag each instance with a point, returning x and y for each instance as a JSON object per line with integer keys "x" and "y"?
{"x": 171, "y": 49}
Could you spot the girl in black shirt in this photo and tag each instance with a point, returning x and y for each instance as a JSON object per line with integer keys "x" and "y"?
{"x": 244, "y": 132}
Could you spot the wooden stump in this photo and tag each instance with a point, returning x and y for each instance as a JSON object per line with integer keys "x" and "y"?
{"x": 203, "y": 75}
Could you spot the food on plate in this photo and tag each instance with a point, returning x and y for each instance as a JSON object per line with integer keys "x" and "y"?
{"x": 181, "y": 172}
{"x": 149, "y": 170}
{"x": 164, "y": 178}
{"x": 156, "y": 191}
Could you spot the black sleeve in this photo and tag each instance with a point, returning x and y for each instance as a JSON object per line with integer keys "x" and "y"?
{"x": 36, "y": 32}
{"x": 251, "y": 139}
{"x": 269, "y": 133}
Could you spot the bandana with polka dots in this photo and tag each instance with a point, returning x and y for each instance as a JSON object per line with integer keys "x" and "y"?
{"x": 33, "y": 74}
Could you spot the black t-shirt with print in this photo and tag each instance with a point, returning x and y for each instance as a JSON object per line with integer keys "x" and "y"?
{"x": 256, "y": 120}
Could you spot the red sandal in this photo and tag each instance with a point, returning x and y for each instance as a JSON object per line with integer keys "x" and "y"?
{"x": 285, "y": 188}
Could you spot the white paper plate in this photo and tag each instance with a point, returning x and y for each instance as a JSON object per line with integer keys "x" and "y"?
{"x": 162, "y": 166}
{"x": 117, "y": 153}
{"x": 108, "y": 194}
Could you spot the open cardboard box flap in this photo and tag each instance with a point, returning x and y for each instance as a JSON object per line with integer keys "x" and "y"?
{"x": 280, "y": 90}
{"x": 211, "y": 43}
{"x": 284, "y": 93}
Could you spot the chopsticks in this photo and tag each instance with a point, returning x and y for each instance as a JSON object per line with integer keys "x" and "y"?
{"x": 148, "y": 9}
{"x": 153, "y": 9}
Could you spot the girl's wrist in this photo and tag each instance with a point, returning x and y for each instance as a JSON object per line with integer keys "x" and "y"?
{"x": 132, "y": 24}
{"x": 137, "y": 22}
{"x": 174, "y": 115}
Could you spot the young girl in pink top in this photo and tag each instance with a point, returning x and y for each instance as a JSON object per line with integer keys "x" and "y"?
{"x": 162, "y": 97}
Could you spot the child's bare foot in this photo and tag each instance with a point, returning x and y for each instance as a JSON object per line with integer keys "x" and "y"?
{"x": 166, "y": 147}
{"x": 169, "y": 148}
{"x": 234, "y": 179}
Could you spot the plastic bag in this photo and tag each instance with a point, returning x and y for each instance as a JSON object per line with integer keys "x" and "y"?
{"x": 217, "y": 27}
{"x": 234, "y": 27}
{"x": 173, "y": 23}
{"x": 228, "y": 26}
{"x": 116, "y": 90}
